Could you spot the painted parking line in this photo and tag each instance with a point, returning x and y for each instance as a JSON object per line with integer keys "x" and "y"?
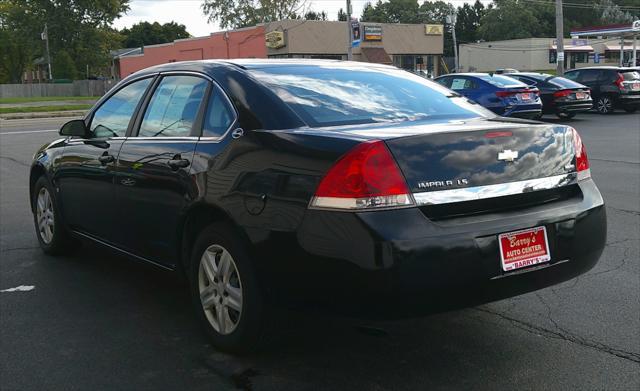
{"x": 21, "y": 288}
{"x": 28, "y": 131}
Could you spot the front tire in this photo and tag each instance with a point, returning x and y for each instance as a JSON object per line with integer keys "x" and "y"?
{"x": 604, "y": 105}
{"x": 52, "y": 235}
{"x": 226, "y": 295}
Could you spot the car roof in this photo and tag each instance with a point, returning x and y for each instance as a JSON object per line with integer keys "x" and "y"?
{"x": 246, "y": 63}
{"x": 534, "y": 74}
{"x": 604, "y": 67}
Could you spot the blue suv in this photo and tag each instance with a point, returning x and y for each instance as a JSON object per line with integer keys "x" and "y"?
{"x": 501, "y": 94}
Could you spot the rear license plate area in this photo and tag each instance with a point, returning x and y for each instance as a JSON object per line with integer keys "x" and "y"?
{"x": 581, "y": 95}
{"x": 524, "y": 248}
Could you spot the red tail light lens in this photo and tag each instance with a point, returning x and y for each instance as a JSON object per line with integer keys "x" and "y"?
{"x": 562, "y": 94}
{"x": 365, "y": 177}
{"x": 582, "y": 161}
{"x": 504, "y": 94}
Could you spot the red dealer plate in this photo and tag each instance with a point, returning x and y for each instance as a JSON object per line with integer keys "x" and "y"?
{"x": 523, "y": 248}
{"x": 581, "y": 95}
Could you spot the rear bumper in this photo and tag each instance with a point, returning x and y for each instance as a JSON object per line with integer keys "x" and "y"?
{"x": 629, "y": 101}
{"x": 573, "y": 107}
{"x": 398, "y": 263}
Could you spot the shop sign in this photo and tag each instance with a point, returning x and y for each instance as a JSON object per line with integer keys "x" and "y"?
{"x": 373, "y": 33}
{"x": 433, "y": 29}
{"x": 355, "y": 28}
{"x": 275, "y": 39}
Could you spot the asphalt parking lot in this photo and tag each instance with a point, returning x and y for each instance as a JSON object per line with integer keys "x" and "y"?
{"x": 99, "y": 321}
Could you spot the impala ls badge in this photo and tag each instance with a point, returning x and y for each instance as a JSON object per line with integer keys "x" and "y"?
{"x": 508, "y": 155}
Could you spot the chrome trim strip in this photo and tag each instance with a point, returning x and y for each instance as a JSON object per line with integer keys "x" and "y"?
{"x": 440, "y": 197}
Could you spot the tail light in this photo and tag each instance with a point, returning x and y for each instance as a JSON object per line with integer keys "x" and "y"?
{"x": 366, "y": 177}
{"x": 620, "y": 81}
{"x": 582, "y": 161}
{"x": 504, "y": 94}
{"x": 562, "y": 94}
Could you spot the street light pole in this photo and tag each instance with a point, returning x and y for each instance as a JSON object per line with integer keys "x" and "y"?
{"x": 559, "y": 39}
{"x": 350, "y": 32}
{"x": 45, "y": 36}
{"x": 452, "y": 20}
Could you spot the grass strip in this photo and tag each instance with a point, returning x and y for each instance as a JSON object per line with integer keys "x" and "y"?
{"x": 47, "y": 99}
{"x": 39, "y": 109}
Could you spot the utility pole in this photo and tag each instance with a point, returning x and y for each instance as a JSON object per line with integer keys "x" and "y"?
{"x": 559, "y": 39}
{"x": 45, "y": 37}
{"x": 350, "y": 32}
{"x": 452, "y": 18}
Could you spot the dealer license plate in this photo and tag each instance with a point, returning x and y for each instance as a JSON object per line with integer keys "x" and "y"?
{"x": 635, "y": 86}
{"x": 526, "y": 96}
{"x": 580, "y": 95}
{"x": 523, "y": 248}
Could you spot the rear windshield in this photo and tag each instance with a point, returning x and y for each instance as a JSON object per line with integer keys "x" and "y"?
{"x": 501, "y": 81}
{"x": 564, "y": 83}
{"x": 335, "y": 95}
{"x": 630, "y": 75}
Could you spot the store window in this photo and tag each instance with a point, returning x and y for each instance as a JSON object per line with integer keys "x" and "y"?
{"x": 581, "y": 57}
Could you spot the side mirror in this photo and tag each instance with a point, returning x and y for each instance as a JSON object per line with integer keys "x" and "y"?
{"x": 75, "y": 127}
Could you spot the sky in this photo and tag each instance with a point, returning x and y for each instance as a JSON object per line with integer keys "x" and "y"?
{"x": 188, "y": 12}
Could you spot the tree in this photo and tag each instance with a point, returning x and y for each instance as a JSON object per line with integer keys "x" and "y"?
{"x": 145, "y": 33}
{"x": 468, "y": 21}
{"x": 513, "y": 19}
{"x": 64, "y": 66}
{"x": 243, "y": 13}
{"x": 80, "y": 27}
{"x": 342, "y": 16}
{"x": 313, "y": 15}
{"x": 612, "y": 13}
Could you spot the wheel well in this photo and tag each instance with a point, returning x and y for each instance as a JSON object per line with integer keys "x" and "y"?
{"x": 195, "y": 221}
{"x": 36, "y": 172}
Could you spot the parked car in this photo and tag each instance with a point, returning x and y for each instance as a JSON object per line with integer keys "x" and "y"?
{"x": 611, "y": 87}
{"x": 501, "y": 71}
{"x": 501, "y": 94}
{"x": 355, "y": 185}
{"x": 560, "y": 96}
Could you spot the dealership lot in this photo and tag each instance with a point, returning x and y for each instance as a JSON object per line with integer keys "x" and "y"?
{"x": 96, "y": 320}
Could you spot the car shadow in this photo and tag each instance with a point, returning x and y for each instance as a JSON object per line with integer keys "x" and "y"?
{"x": 133, "y": 310}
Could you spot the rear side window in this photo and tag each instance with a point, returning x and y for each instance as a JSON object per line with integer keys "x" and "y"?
{"x": 501, "y": 81}
{"x": 174, "y": 106}
{"x": 113, "y": 116}
{"x": 573, "y": 75}
{"x": 219, "y": 115}
{"x": 445, "y": 81}
{"x": 334, "y": 95}
{"x": 459, "y": 83}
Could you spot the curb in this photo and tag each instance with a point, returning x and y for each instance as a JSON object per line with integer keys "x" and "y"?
{"x": 45, "y": 114}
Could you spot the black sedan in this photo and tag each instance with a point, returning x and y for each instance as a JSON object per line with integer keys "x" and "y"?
{"x": 354, "y": 186}
{"x": 560, "y": 96}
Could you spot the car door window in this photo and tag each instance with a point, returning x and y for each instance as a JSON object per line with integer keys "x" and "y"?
{"x": 589, "y": 76}
{"x": 174, "y": 106}
{"x": 445, "y": 81}
{"x": 112, "y": 118}
{"x": 219, "y": 115}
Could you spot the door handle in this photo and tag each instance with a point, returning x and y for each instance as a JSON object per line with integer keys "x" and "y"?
{"x": 178, "y": 163}
{"x": 105, "y": 159}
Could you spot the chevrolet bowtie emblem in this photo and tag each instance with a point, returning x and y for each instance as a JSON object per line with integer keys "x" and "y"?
{"x": 508, "y": 155}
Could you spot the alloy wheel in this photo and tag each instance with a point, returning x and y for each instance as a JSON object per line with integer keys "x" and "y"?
{"x": 604, "y": 105}
{"x": 220, "y": 289}
{"x": 45, "y": 215}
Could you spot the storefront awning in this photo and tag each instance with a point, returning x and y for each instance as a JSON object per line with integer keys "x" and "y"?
{"x": 377, "y": 55}
{"x": 572, "y": 48}
{"x": 617, "y": 47}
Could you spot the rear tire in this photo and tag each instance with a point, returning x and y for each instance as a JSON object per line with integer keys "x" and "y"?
{"x": 566, "y": 115}
{"x": 604, "y": 105}
{"x": 52, "y": 235}
{"x": 631, "y": 110}
{"x": 226, "y": 295}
